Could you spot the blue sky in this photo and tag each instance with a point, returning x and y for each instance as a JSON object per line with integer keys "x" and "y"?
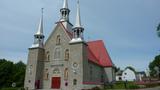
{"x": 128, "y": 27}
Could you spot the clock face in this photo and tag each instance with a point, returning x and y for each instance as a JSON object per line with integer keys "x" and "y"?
{"x": 75, "y": 65}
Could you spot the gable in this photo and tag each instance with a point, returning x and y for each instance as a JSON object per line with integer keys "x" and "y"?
{"x": 59, "y": 30}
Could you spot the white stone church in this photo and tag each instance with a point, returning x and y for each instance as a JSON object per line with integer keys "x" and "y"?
{"x": 65, "y": 61}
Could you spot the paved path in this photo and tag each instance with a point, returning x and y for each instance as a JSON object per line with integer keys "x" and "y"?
{"x": 155, "y": 88}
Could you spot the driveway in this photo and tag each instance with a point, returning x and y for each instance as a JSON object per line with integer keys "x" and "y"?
{"x": 155, "y": 88}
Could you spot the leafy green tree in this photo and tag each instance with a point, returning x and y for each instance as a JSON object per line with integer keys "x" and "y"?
{"x": 6, "y": 72}
{"x": 153, "y": 64}
{"x": 19, "y": 73}
{"x": 10, "y": 72}
{"x": 117, "y": 69}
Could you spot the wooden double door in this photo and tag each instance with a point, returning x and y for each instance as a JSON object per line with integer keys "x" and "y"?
{"x": 56, "y": 82}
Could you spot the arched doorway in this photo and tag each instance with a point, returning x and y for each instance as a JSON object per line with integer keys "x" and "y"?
{"x": 56, "y": 79}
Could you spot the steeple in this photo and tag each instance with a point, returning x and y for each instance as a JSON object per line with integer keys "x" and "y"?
{"x": 65, "y": 4}
{"x": 38, "y": 36}
{"x": 40, "y": 27}
{"x": 78, "y": 17}
{"x": 65, "y": 11}
{"x": 78, "y": 29}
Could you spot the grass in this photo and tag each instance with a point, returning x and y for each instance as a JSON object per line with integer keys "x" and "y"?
{"x": 10, "y": 88}
{"x": 121, "y": 85}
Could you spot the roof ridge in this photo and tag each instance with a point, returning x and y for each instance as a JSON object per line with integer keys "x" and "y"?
{"x": 94, "y": 41}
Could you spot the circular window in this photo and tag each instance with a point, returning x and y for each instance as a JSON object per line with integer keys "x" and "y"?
{"x": 75, "y": 65}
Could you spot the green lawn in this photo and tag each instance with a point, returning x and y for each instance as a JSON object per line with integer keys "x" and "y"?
{"x": 121, "y": 85}
{"x": 11, "y": 88}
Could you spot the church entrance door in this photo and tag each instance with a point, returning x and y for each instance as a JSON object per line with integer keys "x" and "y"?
{"x": 56, "y": 81}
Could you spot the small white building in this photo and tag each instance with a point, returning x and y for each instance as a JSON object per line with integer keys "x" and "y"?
{"x": 128, "y": 75}
{"x": 119, "y": 75}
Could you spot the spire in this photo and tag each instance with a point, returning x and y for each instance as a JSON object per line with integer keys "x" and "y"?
{"x": 78, "y": 29}
{"x": 65, "y": 4}
{"x": 65, "y": 11}
{"x": 39, "y": 37}
{"x": 40, "y": 27}
{"x": 78, "y": 17}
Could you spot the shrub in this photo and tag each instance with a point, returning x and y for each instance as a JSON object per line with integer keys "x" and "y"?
{"x": 96, "y": 88}
{"x": 133, "y": 86}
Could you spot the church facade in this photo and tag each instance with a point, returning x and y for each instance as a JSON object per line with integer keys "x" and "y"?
{"x": 66, "y": 61}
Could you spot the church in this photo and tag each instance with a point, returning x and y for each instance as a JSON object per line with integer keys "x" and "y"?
{"x": 65, "y": 61}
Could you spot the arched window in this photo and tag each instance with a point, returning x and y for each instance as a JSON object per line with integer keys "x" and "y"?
{"x": 30, "y": 69}
{"x": 66, "y": 54}
{"x": 57, "y": 53}
{"x": 46, "y": 74}
{"x": 66, "y": 74}
{"x": 47, "y": 56}
{"x": 58, "y": 40}
{"x": 74, "y": 81}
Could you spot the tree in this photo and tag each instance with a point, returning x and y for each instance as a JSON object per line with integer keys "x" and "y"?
{"x": 117, "y": 69}
{"x": 19, "y": 73}
{"x": 158, "y": 30}
{"x": 6, "y": 71}
{"x": 10, "y": 72}
{"x": 153, "y": 64}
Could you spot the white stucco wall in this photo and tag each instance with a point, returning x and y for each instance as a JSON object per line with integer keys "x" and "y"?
{"x": 118, "y": 78}
{"x": 128, "y": 75}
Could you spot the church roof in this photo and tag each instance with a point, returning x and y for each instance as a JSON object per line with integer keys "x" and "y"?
{"x": 97, "y": 53}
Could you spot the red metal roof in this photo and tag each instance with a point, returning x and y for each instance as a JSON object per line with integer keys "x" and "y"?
{"x": 97, "y": 52}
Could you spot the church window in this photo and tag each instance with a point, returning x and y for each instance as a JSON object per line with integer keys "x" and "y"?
{"x": 57, "y": 53}
{"x": 47, "y": 56}
{"x": 29, "y": 81}
{"x": 65, "y": 13}
{"x": 91, "y": 72}
{"x": 74, "y": 81}
{"x": 66, "y": 74}
{"x": 30, "y": 69}
{"x": 66, "y": 54}
{"x": 58, "y": 40}
{"x": 46, "y": 74}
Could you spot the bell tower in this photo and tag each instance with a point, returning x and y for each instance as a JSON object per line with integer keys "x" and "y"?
{"x": 33, "y": 76}
{"x": 65, "y": 11}
{"x": 78, "y": 29}
{"x": 79, "y": 53}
